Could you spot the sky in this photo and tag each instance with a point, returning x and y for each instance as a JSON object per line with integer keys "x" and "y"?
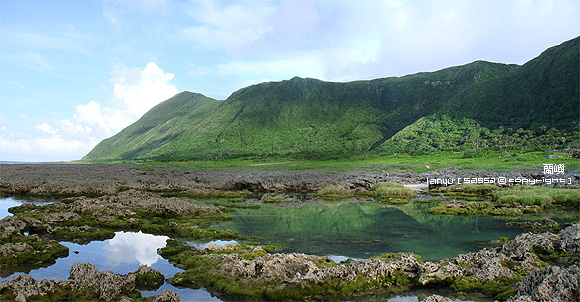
{"x": 75, "y": 72}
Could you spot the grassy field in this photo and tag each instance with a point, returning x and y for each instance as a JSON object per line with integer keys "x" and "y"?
{"x": 492, "y": 161}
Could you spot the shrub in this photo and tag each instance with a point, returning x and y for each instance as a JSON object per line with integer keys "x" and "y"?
{"x": 333, "y": 190}
{"x": 480, "y": 189}
{"x": 389, "y": 189}
{"x": 542, "y": 196}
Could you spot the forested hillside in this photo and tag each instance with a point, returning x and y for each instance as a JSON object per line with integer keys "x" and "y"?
{"x": 465, "y": 107}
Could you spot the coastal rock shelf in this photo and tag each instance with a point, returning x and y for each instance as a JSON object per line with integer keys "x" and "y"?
{"x": 85, "y": 283}
{"x": 99, "y": 179}
{"x": 245, "y": 270}
{"x": 96, "y": 201}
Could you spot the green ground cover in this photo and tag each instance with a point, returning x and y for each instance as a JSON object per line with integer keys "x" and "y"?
{"x": 491, "y": 160}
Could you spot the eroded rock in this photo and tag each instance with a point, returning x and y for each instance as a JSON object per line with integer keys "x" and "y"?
{"x": 570, "y": 239}
{"x": 493, "y": 272}
{"x": 552, "y": 283}
{"x": 437, "y": 298}
{"x": 84, "y": 279}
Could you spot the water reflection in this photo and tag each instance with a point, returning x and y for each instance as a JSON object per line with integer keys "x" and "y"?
{"x": 203, "y": 246}
{"x": 365, "y": 229}
{"x": 9, "y": 202}
{"x": 129, "y": 247}
{"x": 362, "y": 227}
{"x": 5, "y": 204}
{"x": 339, "y": 258}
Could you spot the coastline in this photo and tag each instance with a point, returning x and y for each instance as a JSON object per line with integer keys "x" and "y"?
{"x": 126, "y": 189}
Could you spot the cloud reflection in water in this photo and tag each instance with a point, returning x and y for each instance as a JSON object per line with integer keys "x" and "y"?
{"x": 130, "y": 247}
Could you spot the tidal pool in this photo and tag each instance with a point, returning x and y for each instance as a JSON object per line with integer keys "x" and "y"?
{"x": 366, "y": 229}
{"x": 340, "y": 230}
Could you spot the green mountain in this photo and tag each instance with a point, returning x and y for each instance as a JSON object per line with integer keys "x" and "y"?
{"x": 538, "y": 105}
{"x": 313, "y": 118}
{"x": 160, "y": 125}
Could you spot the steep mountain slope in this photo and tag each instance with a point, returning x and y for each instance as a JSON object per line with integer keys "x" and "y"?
{"x": 544, "y": 91}
{"x": 309, "y": 117}
{"x": 313, "y": 118}
{"x": 542, "y": 94}
{"x": 160, "y": 125}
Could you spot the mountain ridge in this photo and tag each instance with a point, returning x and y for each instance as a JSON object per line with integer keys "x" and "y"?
{"x": 313, "y": 118}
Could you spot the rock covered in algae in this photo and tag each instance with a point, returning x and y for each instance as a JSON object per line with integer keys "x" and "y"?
{"x": 85, "y": 282}
{"x": 25, "y": 252}
{"x": 240, "y": 270}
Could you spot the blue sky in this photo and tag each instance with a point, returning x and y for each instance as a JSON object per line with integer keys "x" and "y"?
{"x": 75, "y": 72}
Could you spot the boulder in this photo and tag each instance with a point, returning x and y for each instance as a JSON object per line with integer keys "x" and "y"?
{"x": 107, "y": 285}
{"x": 84, "y": 277}
{"x": 166, "y": 296}
{"x": 553, "y": 283}
{"x": 22, "y": 286}
{"x": 570, "y": 239}
{"x": 11, "y": 225}
{"x": 437, "y": 298}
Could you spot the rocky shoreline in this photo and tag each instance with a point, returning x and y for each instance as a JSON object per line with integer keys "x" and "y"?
{"x": 514, "y": 270}
{"x": 104, "y": 198}
{"x": 74, "y": 179}
{"x": 86, "y": 283}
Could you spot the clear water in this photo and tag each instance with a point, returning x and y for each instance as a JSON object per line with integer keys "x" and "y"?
{"x": 365, "y": 229}
{"x": 340, "y": 230}
{"x": 122, "y": 254}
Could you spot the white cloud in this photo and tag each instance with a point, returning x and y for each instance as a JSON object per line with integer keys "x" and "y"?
{"x": 45, "y": 127}
{"x": 230, "y": 27}
{"x": 128, "y": 247}
{"x": 46, "y": 145}
{"x": 140, "y": 91}
{"x": 134, "y": 93}
{"x": 369, "y": 39}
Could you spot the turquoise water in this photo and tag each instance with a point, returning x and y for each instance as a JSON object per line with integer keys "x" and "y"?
{"x": 365, "y": 229}
{"x": 340, "y": 230}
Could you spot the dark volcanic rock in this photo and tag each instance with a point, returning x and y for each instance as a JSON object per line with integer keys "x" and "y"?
{"x": 98, "y": 179}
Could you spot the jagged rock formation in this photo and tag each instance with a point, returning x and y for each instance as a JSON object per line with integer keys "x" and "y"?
{"x": 85, "y": 282}
{"x": 553, "y": 283}
{"x": 437, "y": 298}
{"x": 494, "y": 271}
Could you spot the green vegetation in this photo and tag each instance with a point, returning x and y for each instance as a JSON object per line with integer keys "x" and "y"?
{"x": 501, "y": 290}
{"x": 556, "y": 256}
{"x": 207, "y": 269}
{"x": 513, "y": 201}
{"x": 541, "y": 196}
{"x": 388, "y": 190}
{"x": 159, "y": 126}
{"x": 334, "y": 191}
{"x": 151, "y": 280}
{"x": 440, "y": 132}
{"x": 476, "y": 108}
{"x": 29, "y": 252}
{"x": 480, "y": 189}
{"x": 473, "y": 208}
{"x": 543, "y": 225}
{"x": 491, "y": 161}
{"x": 86, "y": 225}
